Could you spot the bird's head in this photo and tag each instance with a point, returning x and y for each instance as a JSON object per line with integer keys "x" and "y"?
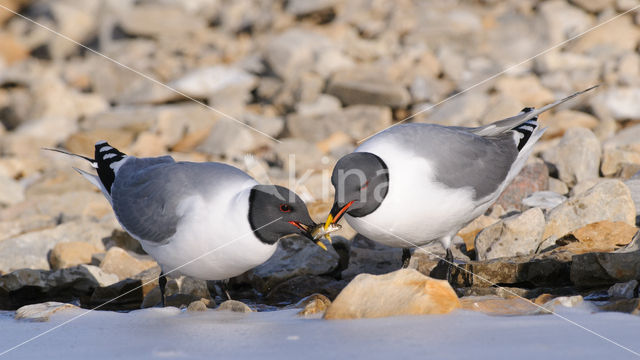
{"x": 361, "y": 182}
{"x": 275, "y": 212}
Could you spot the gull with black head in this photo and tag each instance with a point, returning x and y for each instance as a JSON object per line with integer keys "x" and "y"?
{"x": 414, "y": 184}
{"x": 210, "y": 221}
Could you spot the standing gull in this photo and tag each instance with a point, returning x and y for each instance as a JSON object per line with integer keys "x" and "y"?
{"x": 414, "y": 184}
{"x": 210, "y": 220}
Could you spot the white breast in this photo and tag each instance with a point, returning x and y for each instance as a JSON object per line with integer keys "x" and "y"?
{"x": 216, "y": 232}
{"x": 417, "y": 210}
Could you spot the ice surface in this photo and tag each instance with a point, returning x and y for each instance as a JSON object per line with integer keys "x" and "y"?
{"x": 170, "y": 333}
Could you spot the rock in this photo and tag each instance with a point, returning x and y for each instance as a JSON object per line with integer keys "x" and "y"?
{"x": 123, "y": 240}
{"x": 117, "y": 261}
{"x": 228, "y": 138}
{"x": 30, "y": 250}
{"x": 294, "y": 289}
{"x": 563, "y": 120}
{"x": 630, "y": 306}
{"x": 180, "y": 301}
{"x": 188, "y": 286}
{"x": 469, "y": 232}
{"x": 334, "y": 142}
{"x": 558, "y": 186}
{"x": 306, "y": 7}
{"x": 626, "y": 290}
{"x": 403, "y": 292}
{"x": 594, "y": 6}
{"x": 608, "y": 200}
{"x": 598, "y": 269}
{"x": 294, "y": 51}
{"x": 602, "y": 236}
{"x": 367, "y": 256}
{"x": 526, "y": 89}
{"x": 513, "y": 236}
{"x": 12, "y": 191}
{"x": 234, "y": 306}
{"x": 544, "y": 200}
{"x": 634, "y": 187}
{"x": 365, "y": 120}
{"x": 461, "y": 110}
{"x": 11, "y": 50}
{"x": 548, "y": 270}
{"x": 354, "y": 87}
{"x": 576, "y": 157}
{"x": 313, "y": 304}
{"x": 553, "y": 305}
{"x": 563, "y": 21}
{"x": 294, "y": 256}
{"x": 72, "y": 253}
{"x": 532, "y": 178}
{"x": 614, "y": 160}
{"x": 220, "y": 84}
{"x": 621, "y": 35}
{"x": 42, "y": 312}
{"x": 159, "y": 20}
{"x": 197, "y": 306}
{"x": 27, "y": 286}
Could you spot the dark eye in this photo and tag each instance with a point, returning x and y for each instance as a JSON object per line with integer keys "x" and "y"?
{"x": 285, "y": 208}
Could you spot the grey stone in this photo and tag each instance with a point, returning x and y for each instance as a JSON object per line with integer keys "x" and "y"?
{"x": 634, "y": 188}
{"x": 294, "y": 51}
{"x": 12, "y": 191}
{"x": 594, "y": 6}
{"x": 598, "y": 269}
{"x": 42, "y": 312}
{"x": 30, "y": 250}
{"x": 355, "y": 87}
{"x": 234, "y": 306}
{"x": 295, "y": 256}
{"x": 625, "y": 290}
{"x": 608, "y": 200}
{"x": 220, "y": 84}
{"x": 159, "y": 19}
{"x": 622, "y": 102}
{"x": 308, "y": 7}
{"x": 299, "y": 287}
{"x": 228, "y": 138}
{"x": 513, "y": 236}
{"x": 26, "y": 286}
{"x": 576, "y": 157}
{"x": 461, "y": 110}
{"x": 544, "y": 199}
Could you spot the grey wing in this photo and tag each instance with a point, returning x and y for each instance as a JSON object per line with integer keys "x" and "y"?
{"x": 463, "y": 159}
{"x": 146, "y": 195}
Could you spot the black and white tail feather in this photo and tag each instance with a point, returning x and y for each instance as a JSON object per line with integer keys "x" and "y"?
{"x": 107, "y": 160}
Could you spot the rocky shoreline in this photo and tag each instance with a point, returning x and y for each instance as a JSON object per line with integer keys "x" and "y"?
{"x": 313, "y": 78}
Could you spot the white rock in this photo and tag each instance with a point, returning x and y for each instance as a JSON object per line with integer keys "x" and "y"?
{"x": 43, "y": 311}
{"x": 577, "y": 156}
{"x": 516, "y": 235}
{"x": 544, "y": 199}
{"x": 215, "y": 82}
{"x": 623, "y": 102}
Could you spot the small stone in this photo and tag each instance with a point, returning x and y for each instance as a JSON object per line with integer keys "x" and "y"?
{"x": 634, "y": 187}
{"x": 313, "y": 304}
{"x": 403, "y": 292}
{"x": 608, "y": 200}
{"x": 117, "y": 261}
{"x": 367, "y": 88}
{"x": 594, "y": 6}
{"x": 189, "y": 286}
{"x": 294, "y": 256}
{"x": 294, "y": 51}
{"x": 234, "y": 306}
{"x": 469, "y": 232}
{"x": 552, "y": 306}
{"x": 615, "y": 159}
{"x": 601, "y": 236}
{"x": 334, "y": 141}
{"x": 558, "y": 186}
{"x": 626, "y": 290}
{"x": 544, "y": 200}
{"x": 73, "y": 253}
{"x": 599, "y": 269}
{"x": 221, "y": 84}
{"x": 159, "y": 19}
{"x": 558, "y": 123}
{"x": 532, "y": 178}
{"x": 11, "y": 50}
{"x": 308, "y": 7}
{"x": 12, "y": 191}
{"x": 42, "y": 312}
{"x": 576, "y": 157}
{"x": 180, "y": 301}
{"x": 526, "y": 89}
{"x": 197, "y": 306}
{"x": 513, "y": 236}
{"x": 629, "y": 306}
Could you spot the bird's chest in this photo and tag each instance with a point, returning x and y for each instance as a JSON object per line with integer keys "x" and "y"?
{"x": 417, "y": 209}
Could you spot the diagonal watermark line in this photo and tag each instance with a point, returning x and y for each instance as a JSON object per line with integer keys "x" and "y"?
{"x": 506, "y": 290}
{"x": 503, "y": 71}
{"x": 140, "y": 73}
{"x": 132, "y": 290}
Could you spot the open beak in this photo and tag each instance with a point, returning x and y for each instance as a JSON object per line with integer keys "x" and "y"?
{"x": 336, "y": 213}
{"x": 307, "y": 231}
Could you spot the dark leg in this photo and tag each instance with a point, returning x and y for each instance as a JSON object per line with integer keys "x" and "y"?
{"x": 224, "y": 284}
{"x": 162, "y": 282}
{"x": 406, "y": 257}
{"x": 449, "y": 259}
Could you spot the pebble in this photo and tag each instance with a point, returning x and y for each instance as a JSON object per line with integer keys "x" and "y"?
{"x": 626, "y": 290}
{"x": 117, "y": 261}
{"x": 42, "y": 312}
{"x": 313, "y": 304}
{"x": 608, "y": 200}
{"x": 73, "y": 253}
{"x": 576, "y": 157}
{"x": 403, "y": 292}
{"x": 513, "y": 236}
{"x": 234, "y": 306}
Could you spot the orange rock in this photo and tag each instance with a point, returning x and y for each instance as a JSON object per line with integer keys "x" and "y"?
{"x": 469, "y": 232}
{"x": 402, "y": 292}
{"x": 493, "y": 305}
{"x": 602, "y": 236}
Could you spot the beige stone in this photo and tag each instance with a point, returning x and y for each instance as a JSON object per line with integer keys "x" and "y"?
{"x": 602, "y": 236}
{"x": 402, "y": 292}
{"x": 117, "y": 261}
{"x": 313, "y": 304}
{"x": 42, "y": 312}
{"x": 67, "y": 254}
